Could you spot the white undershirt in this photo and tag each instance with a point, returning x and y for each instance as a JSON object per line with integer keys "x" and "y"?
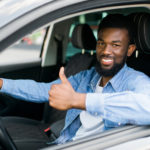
{"x": 90, "y": 124}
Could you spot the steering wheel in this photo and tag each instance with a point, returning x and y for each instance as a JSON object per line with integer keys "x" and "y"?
{"x": 5, "y": 140}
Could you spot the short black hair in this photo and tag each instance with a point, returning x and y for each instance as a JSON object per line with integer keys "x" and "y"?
{"x": 118, "y": 21}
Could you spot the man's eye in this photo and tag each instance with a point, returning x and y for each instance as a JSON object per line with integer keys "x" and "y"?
{"x": 115, "y": 45}
{"x": 100, "y": 44}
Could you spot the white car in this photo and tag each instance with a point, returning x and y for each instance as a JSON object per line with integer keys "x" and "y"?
{"x": 36, "y": 38}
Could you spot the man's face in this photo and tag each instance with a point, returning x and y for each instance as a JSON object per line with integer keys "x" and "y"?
{"x": 112, "y": 50}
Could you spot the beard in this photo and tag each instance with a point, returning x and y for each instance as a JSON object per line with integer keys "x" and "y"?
{"x": 109, "y": 72}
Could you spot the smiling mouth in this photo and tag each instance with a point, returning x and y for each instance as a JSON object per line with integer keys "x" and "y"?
{"x": 106, "y": 61}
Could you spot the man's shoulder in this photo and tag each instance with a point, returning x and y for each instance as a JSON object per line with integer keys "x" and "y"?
{"x": 137, "y": 76}
{"x": 84, "y": 74}
{"x": 137, "y": 81}
{"x": 88, "y": 72}
{"x": 87, "y": 76}
{"x": 135, "y": 73}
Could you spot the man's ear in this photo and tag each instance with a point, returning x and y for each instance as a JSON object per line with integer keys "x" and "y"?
{"x": 131, "y": 49}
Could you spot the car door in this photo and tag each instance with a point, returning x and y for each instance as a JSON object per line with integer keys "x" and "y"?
{"x": 22, "y": 60}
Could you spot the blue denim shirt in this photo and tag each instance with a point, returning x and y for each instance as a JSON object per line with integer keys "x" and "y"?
{"x": 125, "y": 99}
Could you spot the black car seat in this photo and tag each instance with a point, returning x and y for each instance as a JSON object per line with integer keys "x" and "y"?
{"x": 28, "y": 133}
{"x": 83, "y": 39}
{"x": 140, "y": 60}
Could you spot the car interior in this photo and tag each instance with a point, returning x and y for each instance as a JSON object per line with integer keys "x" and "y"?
{"x": 70, "y": 43}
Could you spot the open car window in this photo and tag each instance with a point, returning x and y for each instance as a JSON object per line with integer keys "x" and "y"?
{"x": 25, "y": 50}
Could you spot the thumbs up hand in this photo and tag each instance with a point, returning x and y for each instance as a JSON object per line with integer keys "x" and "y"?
{"x": 63, "y": 77}
{"x": 63, "y": 97}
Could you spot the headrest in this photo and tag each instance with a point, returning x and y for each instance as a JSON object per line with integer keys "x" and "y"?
{"x": 142, "y": 26}
{"x": 83, "y": 38}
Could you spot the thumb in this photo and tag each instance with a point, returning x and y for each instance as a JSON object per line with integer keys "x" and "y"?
{"x": 62, "y": 76}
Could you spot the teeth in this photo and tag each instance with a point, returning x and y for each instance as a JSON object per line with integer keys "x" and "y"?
{"x": 107, "y": 60}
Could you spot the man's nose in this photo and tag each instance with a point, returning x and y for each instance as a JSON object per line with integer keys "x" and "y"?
{"x": 107, "y": 49}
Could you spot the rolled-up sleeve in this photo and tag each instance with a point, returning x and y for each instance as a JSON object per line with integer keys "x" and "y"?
{"x": 124, "y": 107}
{"x": 95, "y": 103}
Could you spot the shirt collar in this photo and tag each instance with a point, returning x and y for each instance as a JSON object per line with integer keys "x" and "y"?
{"x": 94, "y": 80}
{"x": 115, "y": 82}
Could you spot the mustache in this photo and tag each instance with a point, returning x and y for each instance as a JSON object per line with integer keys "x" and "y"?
{"x": 105, "y": 56}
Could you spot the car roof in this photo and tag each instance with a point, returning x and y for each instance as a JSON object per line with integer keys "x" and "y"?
{"x": 12, "y": 9}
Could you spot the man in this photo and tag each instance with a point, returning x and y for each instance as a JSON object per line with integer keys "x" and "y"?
{"x": 109, "y": 95}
